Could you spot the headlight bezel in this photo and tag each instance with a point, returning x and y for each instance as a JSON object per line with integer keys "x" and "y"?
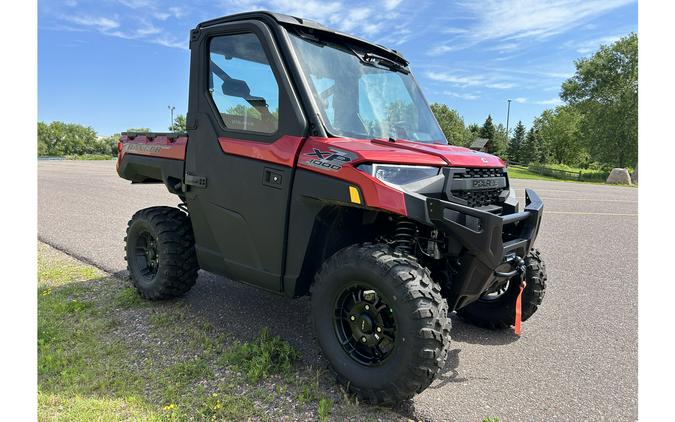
{"x": 397, "y": 175}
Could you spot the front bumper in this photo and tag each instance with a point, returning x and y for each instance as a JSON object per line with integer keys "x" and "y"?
{"x": 488, "y": 240}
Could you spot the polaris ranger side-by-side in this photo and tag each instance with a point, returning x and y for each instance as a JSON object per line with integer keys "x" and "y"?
{"x": 312, "y": 164}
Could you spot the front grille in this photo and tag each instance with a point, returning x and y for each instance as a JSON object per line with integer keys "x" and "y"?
{"x": 480, "y": 172}
{"x": 479, "y": 197}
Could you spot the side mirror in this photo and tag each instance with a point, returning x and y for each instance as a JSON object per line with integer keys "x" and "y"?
{"x": 236, "y": 88}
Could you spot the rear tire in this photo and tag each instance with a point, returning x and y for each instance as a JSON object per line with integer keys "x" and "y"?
{"x": 409, "y": 310}
{"x": 160, "y": 253}
{"x": 499, "y": 313}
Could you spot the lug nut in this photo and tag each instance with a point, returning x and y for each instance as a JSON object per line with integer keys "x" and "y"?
{"x": 352, "y": 317}
{"x": 363, "y": 339}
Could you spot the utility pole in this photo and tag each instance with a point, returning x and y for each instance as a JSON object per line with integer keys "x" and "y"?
{"x": 172, "y": 108}
{"x": 508, "y": 113}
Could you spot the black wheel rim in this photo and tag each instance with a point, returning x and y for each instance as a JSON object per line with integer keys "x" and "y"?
{"x": 365, "y": 326}
{"x": 146, "y": 256}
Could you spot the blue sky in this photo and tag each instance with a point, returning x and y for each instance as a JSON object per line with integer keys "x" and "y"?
{"x": 116, "y": 64}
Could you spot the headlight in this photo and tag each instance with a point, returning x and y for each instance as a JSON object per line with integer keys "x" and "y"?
{"x": 399, "y": 174}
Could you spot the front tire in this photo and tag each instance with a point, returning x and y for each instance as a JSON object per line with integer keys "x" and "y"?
{"x": 160, "y": 253}
{"x": 381, "y": 322}
{"x": 497, "y": 311}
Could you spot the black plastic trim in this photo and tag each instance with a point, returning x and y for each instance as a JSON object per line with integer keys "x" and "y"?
{"x": 482, "y": 234}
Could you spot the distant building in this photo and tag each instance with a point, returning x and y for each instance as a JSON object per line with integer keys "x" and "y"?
{"x": 479, "y": 144}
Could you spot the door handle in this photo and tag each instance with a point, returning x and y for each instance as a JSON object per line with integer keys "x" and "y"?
{"x": 273, "y": 178}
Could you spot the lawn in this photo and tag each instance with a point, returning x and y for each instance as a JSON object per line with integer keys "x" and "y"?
{"x": 104, "y": 354}
{"x": 519, "y": 172}
{"x": 588, "y": 175}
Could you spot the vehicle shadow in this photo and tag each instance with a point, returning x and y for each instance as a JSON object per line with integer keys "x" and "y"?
{"x": 462, "y": 332}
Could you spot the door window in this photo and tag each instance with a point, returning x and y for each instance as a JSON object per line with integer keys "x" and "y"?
{"x": 242, "y": 84}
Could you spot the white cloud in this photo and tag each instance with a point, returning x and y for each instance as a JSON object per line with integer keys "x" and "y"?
{"x": 469, "y": 80}
{"x": 553, "y": 101}
{"x": 391, "y": 4}
{"x": 520, "y": 100}
{"x": 463, "y": 96}
{"x": 524, "y": 19}
{"x": 593, "y": 45}
{"x": 462, "y": 81}
{"x": 178, "y": 12}
{"x": 519, "y": 19}
{"x": 170, "y": 42}
{"x": 444, "y": 48}
{"x": 504, "y": 47}
{"x": 501, "y": 85}
{"x": 100, "y": 23}
{"x": 453, "y": 30}
{"x": 147, "y": 29}
{"x": 137, "y": 4}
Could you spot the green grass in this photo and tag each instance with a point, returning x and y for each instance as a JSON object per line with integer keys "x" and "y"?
{"x": 90, "y": 157}
{"x": 58, "y": 407}
{"x": 128, "y": 297}
{"x": 88, "y": 370}
{"x": 555, "y": 173}
{"x": 104, "y": 354}
{"x": 325, "y": 408}
{"x": 263, "y": 357}
{"x": 519, "y": 172}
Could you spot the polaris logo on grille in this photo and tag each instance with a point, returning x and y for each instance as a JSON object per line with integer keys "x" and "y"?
{"x": 484, "y": 183}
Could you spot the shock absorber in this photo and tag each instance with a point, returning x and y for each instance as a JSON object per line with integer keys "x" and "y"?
{"x": 404, "y": 235}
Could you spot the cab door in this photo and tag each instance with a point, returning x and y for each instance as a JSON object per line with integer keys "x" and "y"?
{"x": 245, "y": 127}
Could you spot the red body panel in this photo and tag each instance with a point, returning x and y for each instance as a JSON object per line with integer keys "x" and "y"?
{"x": 282, "y": 151}
{"x": 160, "y": 146}
{"x": 451, "y": 155}
{"x": 377, "y": 194}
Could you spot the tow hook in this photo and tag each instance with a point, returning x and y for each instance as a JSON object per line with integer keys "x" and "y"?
{"x": 520, "y": 268}
{"x": 518, "y": 265}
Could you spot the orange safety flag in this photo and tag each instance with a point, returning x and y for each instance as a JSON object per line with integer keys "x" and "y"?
{"x": 519, "y": 306}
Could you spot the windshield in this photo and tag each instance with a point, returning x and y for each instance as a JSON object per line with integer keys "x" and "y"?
{"x": 365, "y": 98}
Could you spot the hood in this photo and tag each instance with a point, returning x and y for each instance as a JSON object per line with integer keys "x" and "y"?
{"x": 415, "y": 153}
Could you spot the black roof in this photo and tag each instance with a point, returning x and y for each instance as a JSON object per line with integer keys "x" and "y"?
{"x": 288, "y": 20}
{"x": 479, "y": 143}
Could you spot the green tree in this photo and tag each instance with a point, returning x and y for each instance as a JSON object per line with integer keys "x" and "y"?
{"x": 496, "y": 137}
{"x": 516, "y": 143}
{"x": 499, "y": 144}
{"x": 560, "y": 138}
{"x": 59, "y": 139}
{"x": 110, "y": 144}
{"x": 604, "y": 90}
{"x": 452, "y": 125}
{"x": 43, "y": 139}
{"x": 529, "y": 151}
{"x": 488, "y": 129}
{"x": 179, "y": 124}
{"x": 474, "y": 130}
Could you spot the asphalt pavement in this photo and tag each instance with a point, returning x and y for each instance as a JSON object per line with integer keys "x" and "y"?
{"x": 576, "y": 359}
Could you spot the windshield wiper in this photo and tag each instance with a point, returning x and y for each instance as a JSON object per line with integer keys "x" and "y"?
{"x": 381, "y": 60}
{"x": 375, "y": 59}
